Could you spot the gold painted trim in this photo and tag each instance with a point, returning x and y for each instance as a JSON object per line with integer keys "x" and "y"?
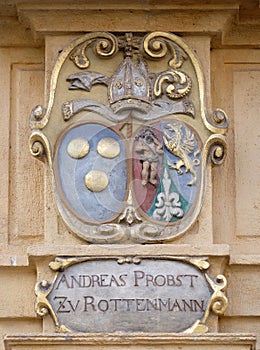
{"x": 155, "y": 46}
{"x": 129, "y": 224}
{"x": 40, "y": 147}
{"x": 198, "y": 327}
{"x": 217, "y": 303}
{"x": 42, "y": 305}
{"x": 59, "y": 63}
{"x": 60, "y": 264}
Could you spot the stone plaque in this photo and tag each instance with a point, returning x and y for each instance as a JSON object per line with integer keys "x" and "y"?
{"x": 131, "y": 295}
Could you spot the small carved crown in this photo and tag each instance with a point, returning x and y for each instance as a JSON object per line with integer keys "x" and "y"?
{"x": 129, "y": 87}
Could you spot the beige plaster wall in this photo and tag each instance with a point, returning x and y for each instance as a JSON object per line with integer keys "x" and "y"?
{"x": 225, "y": 36}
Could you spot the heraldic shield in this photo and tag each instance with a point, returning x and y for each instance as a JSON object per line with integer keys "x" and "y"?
{"x": 127, "y": 137}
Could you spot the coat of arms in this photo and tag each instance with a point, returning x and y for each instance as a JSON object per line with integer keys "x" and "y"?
{"x": 127, "y": 137}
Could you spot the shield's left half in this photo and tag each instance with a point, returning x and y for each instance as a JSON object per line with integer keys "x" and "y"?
{"x": 90, "y": 170}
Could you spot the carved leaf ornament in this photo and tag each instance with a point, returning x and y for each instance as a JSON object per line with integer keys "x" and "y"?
{"x": 127, "y": 137}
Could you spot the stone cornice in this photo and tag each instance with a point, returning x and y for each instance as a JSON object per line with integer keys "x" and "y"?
{"x": 227, "y": 23}
{"x": 61, "y": 18}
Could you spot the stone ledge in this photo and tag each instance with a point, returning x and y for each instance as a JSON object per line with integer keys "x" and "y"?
{"x": 241, "y": 259}
{"x": 60, "y": 18}
{"x": 212, "y": 340}
{"x": 13, "y": 256}
{"x": 129, "y": 249}
{"x": 206, "y": 22}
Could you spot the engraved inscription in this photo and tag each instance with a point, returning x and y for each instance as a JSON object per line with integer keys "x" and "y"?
{"x": 144, "y": 296}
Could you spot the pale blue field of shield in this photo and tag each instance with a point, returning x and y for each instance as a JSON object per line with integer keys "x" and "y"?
{"x": 92, "y": 206}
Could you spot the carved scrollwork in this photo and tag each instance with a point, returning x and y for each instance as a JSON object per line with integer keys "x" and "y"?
{"x": 37, "y": 117}
{"x": 219, "y": 305}
{"x": 217, "y": 153}
{"x": 216, "y": 149}
{"x": 64, "y": 300}
{"x": 42, "y": 306}
{"x": 147, "y": 231}
{"x": 178, "y": 84}
{"x": 201, "y": 264}
{"x": 153, "y": 83}
{"x": 109, "y": 230}
{"x": 60, "y": 264}
{"x": 219, "y": 301}
{"x": 150, "y": 230}
{"x": 37, "y": 149}
{"x": 105, "y": 46}
{"x": 156, "y": 45}
{"x": 79, "y": 57}
{"x": 106, "y": 233}
{"x": 42, "y": 311}
{"x": 39, "y": 146}
{"x": 219, "y": 120}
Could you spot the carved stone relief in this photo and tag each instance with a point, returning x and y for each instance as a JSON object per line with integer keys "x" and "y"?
{"x": 131, "y": 294}
{"x": 127, "y": 137}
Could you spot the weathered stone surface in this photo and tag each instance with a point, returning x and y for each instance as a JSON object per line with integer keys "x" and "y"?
{"x": 132, "y": 341}
{"x": 228, "y": 50}
{"x": 127, "y": 295}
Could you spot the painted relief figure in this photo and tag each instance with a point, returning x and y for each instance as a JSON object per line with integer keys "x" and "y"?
{"x": 140, "y": 183}
{"x": 181, "y": 146}
{"x": 166, "y": 169}
{"x": 149, "y": 149}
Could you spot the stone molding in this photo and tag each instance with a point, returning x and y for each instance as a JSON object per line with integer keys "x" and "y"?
{"x": 234, "y": 23}
{"x": 197, "y": 18}
{"x": 212, "y": 340}
{"x": 131, "y": 249}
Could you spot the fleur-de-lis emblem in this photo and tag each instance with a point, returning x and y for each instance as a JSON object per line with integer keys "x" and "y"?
{"x": 127, "y": 137}
{"x": 168, "y": 203}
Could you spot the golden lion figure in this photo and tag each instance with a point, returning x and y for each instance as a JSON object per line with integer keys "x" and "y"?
{"x": 181, "y": 146}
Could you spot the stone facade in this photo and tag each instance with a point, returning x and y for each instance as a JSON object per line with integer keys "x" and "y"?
{"x": 225, "y": 36}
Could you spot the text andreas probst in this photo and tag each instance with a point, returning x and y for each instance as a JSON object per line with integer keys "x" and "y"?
{"x": 137, "y": 291}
